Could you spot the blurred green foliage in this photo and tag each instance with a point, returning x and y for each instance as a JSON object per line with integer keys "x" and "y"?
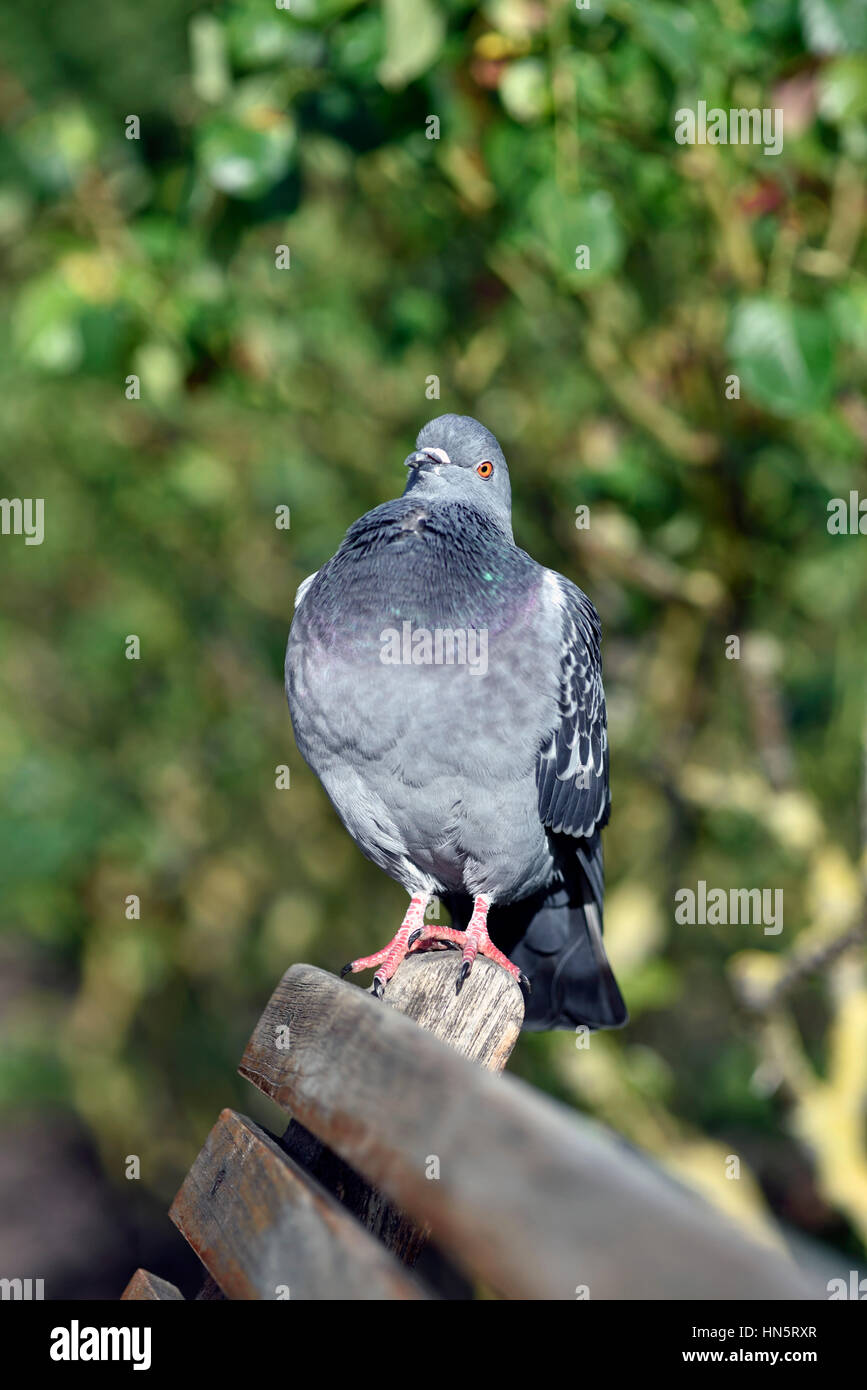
{"x": 413, "y": 257}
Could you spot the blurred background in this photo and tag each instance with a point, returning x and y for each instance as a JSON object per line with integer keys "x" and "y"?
{"x": 269, "y": 379}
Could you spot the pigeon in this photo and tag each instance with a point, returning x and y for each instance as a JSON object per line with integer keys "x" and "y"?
{"x": 447, "y": 691}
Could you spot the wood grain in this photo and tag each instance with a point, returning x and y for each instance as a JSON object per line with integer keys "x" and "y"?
{"x": 531, "y": 1198}
{"x": 261, "y": 1226}
{"x": 146, "y": 1287}
{"x": 482, "y": 1022}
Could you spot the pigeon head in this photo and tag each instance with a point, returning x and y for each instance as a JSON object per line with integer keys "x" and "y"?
{"x": 457, "y": 460}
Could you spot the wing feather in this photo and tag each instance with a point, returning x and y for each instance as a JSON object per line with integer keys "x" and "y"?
{"x": 572, "y": 764}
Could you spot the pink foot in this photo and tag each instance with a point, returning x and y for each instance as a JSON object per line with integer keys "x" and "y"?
{"x": 473, "y": 941}
{"x": 390, "y": 957}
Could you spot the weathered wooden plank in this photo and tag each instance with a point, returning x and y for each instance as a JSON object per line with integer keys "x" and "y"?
{"x": 264, "y": 1230}
{"x": 407, "y": 1240}
{"x": 533, "y": 1199}
{"x": 147, "y": 1287}
{"x": 482, "y": 1022}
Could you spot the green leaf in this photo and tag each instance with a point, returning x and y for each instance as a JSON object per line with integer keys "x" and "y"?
{"x": 670, "y": 33}
{"x": 783, "y": 354}
{"x": 834, "y": 26}
{"x": 843, "y": 86}
{"x": 58, "y": 146}
{"x": 414, "y": 33}
{"x": 849, "y": 310}
{"x": 245, "y": 160}
{"x": 46, "y": 324}
{"x": 262, "y": 38}
{"x": 564, "y": 222}
{"x": 525, "y": 90}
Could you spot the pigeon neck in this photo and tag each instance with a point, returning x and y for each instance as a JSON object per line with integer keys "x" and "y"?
{"x": 489, "y": 516}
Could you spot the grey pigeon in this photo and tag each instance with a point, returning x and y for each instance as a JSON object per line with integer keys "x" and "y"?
{"x": 447, "y": 691}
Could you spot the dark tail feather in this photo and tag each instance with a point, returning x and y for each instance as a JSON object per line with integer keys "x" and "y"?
{"x": 556, "y": 939}
{"x": 562, "y": 955}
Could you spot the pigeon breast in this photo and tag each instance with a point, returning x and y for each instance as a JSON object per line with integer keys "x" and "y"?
{"x": 430, "y": 761}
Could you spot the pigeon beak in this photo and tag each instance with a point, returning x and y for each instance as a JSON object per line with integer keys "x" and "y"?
{"x": 427, "y": 458}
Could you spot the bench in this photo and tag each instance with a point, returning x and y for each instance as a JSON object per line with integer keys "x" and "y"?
{"x": 412, "y": 1168}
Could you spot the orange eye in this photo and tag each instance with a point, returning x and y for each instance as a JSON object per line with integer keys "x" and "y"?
{"x": 485, "y": 469}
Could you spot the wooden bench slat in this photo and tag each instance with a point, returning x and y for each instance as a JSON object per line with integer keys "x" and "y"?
{"x": 482, "y": 1024}
{"x": 531, "y": 1198}
{"x": 144, "y": 1286}
{"x": 261, "y": 1226}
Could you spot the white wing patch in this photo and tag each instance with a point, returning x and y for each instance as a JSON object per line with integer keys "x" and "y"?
{"x": 304, "y": 586}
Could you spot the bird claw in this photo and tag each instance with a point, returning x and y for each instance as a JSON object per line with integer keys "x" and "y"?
{"x": 433, "y": 944}
{"x": 471, "y": 942}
